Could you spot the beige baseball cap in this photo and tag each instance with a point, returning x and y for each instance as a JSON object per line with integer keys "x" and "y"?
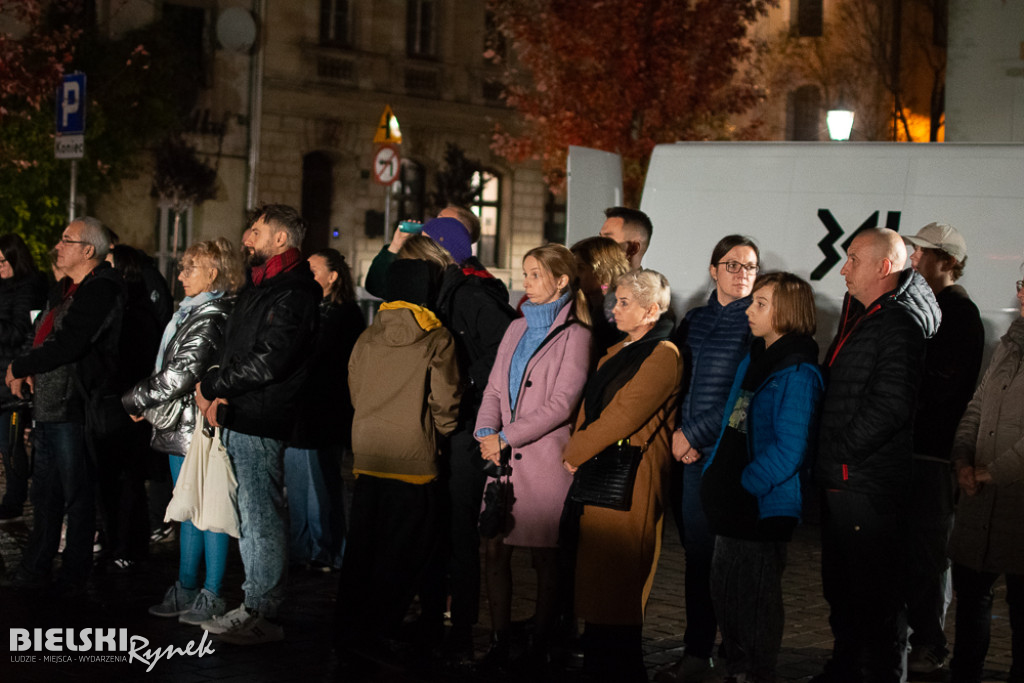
{"x": 940, "y": 236}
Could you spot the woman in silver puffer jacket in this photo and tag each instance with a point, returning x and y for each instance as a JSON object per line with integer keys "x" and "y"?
{"x": 211, "y": 273}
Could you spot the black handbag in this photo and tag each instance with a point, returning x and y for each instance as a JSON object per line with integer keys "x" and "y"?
{"x": 496, "y": 518}
{"x": 607, "y": 479}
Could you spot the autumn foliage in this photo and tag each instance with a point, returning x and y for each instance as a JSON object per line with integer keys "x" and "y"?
{"x": 33, "y": 54}
{"x": 621, "y": 76}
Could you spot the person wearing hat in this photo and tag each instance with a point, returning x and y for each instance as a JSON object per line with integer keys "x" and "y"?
{"x": 952, "y": 363}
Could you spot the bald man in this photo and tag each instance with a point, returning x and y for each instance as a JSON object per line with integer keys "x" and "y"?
{"x": 874, "y": 367}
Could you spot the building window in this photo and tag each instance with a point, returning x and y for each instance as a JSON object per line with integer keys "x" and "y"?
{"x": 487, "y": 207}
{"x": 408, "y": 191}
{"x": 317, "y": 197}
{"x": 554, "y": 219}
{"x": 334, "y": 23}
{"x": 806, "y": 18}
{"x": 804, "y": 114}
{"x": 171, "y": 239}
{"x": 420, "y": 28}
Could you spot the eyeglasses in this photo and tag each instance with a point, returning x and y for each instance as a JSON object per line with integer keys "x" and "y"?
{"x": 186, "y": 270}
{"x": 1020, "y": 285}
{"x": 736, "y": 266}
{"x": 65, "y": 240}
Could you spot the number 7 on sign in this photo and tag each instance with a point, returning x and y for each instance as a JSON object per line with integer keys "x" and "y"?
{"x": 386, "y": 163}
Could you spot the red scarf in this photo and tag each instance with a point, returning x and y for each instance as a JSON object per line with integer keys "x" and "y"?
{"x": 276, "y": 265}
{"x": 47, "y": 325}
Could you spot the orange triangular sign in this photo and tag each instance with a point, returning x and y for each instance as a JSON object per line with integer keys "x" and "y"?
{"x": 388, "y": 131}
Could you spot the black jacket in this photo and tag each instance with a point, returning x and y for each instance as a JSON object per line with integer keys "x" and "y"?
{"x": 80, "y": 355}
{"x": 951, "y": 366}
{"x": 17, "y": 299}
{"x": 475, "y": 309}
{"x": 325, "y": 415}
{"x": 873, "y": 371}
{"x": 268, "y": 341}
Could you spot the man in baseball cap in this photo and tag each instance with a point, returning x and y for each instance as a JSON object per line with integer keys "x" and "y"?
{"x": 952, "y": 362}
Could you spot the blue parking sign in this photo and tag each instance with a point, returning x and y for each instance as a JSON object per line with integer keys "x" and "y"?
{"x": 71, "y": 105}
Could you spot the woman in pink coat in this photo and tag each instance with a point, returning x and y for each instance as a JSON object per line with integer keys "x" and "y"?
{"x": 531, "y": 397}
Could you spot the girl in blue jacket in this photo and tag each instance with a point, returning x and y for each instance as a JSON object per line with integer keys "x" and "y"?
{"x": 750, "y": 488}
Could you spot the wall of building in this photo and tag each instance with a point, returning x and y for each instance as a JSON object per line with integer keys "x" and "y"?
{"x": 985, "y": 77}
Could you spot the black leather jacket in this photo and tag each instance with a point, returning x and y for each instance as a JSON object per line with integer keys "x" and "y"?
{"x": 268, "y": 342}
{"x": 873, "y": 371}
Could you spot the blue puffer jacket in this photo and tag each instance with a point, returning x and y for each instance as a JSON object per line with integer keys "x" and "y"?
{"x": 713, "y": 340}
{"x": 780, "y": 419}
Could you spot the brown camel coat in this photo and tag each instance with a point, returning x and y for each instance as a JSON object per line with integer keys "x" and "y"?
{"x": 618, "y": 551}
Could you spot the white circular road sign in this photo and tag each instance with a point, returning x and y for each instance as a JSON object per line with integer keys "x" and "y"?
{"x": 386, "y": 163}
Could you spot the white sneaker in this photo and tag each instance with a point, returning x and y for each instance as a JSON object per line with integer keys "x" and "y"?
{"x": 226, "y": 622}
{"x": 253, "y": 631}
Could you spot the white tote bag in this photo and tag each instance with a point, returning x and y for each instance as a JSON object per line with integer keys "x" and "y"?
{"x": 206, "y": 493}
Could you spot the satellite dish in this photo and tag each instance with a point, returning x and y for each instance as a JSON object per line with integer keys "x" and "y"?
{"x": 236, "y": 30}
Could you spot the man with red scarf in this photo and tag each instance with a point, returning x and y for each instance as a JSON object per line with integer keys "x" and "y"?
{"x": 69, "y": 372}
{"x": 253, "y": 395}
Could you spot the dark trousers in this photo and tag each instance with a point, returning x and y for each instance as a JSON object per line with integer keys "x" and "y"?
{"x": 464, "y": 481}
{"x": 63, "y": 484}
{"x": 931, "y": 520}
{"x": 746, "y": 585}
{"x": 15, "y": 459}
{"x": 974, "y": 620}
{"x": 121, "y": 468}
{"x": 393, "y": 538}
{"x": 699, "y": 545}
{"x": 862, "y": 571}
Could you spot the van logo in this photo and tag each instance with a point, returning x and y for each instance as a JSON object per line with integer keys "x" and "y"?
{"x": 835, "y": 231}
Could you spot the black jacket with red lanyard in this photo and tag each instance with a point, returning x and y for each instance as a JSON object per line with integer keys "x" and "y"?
{"x": 873, "y": 369}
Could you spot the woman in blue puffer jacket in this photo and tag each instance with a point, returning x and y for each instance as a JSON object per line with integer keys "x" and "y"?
{"x": 713, "y": 340}
{"x": 751, "y": 484}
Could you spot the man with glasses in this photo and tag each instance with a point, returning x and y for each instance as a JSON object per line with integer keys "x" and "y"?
{"x": 252, "y": 393}
{"x": 874, "y": 368}
{"x": 951, "y": 366}
{"x": 68, "y": 373}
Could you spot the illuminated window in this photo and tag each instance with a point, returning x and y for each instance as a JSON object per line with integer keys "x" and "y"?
{"x": 487, "y": 207}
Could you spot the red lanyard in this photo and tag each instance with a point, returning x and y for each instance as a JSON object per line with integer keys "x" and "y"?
{"x": 842, "y": 340}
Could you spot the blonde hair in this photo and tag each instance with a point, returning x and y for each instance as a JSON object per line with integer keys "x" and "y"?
{"x": 423, "y": 248}
{"x": 604, "y": 256}
{"x": 649, "y": 287}
{"x": 223, "y": 256}
{"x": 557, "y": 260}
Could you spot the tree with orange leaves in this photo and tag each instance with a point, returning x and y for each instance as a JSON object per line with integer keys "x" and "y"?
{"x": 622, "y": 76}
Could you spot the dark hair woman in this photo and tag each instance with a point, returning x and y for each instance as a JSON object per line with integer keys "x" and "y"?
{"x": 211, "y": 273}
{"x": 713, "y": 339}
{"x": 22, "y": 290}
{"x": 751, "y": 482}
{"x": 323, "y": 431}
{"x": 630, "y": 397}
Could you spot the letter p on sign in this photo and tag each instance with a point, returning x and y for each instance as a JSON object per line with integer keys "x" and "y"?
{"x": 71, "y": 105}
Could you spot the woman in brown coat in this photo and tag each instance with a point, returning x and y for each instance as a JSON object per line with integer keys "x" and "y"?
{"x": 988, "y": 533}
{"x": 631, "y": 395}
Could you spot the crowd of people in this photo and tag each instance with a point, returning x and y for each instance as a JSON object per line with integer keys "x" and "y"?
{"x": 568, "y": 425}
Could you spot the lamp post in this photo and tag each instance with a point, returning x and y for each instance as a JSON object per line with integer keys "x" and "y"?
{"x": 840, "y": 123}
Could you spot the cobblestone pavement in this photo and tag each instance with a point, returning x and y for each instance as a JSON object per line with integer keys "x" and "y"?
{"x": 119, "y": 600}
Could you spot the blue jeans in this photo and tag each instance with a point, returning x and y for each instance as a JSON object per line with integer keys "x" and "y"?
{"x": 198, "y": 546}
{"x": 63, "y": 483}
{"x": 974, "y": 621}
{"x": 259, "y": 467}
{"x": 317, "y": 517}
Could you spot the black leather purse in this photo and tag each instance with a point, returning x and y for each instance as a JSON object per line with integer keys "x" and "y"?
{"x": 607, "y": 479}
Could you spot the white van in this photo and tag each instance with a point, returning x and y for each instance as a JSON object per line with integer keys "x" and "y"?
{"x": 803, "y": 201}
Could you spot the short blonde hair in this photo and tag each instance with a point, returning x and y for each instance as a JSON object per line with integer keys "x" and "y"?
{"x": 649, "y": 287}
{"x": 223, "y": 256}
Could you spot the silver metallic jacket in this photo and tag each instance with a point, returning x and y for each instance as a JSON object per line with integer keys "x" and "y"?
{"x": 167, "y": 397}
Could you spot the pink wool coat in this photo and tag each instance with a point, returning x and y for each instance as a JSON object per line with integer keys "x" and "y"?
{"x": 547, "y": 403}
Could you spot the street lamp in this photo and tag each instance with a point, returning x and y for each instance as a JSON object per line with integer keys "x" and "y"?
{"x": 840, "y": 123}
